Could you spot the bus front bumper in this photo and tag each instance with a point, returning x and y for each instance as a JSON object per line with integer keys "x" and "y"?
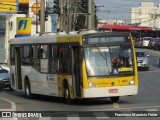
{"x": 110, "y": 91}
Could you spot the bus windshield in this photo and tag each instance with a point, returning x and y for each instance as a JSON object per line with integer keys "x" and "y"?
{"x": 109, "y": 60}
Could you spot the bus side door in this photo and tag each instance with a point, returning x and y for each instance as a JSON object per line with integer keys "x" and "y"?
{"x": 76, "y": 70}
{"x": 18, "y": 77}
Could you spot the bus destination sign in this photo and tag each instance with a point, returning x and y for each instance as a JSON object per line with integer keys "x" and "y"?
{"x": 103, "y": 40}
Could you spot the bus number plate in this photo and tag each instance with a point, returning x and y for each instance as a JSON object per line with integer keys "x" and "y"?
{"x": 113, "y": 90}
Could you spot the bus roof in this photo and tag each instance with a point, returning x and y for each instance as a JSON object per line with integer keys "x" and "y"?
{"x": 38, "y": 39}
{"x": 108, "y": 34}
{"x": 54, "y": 38}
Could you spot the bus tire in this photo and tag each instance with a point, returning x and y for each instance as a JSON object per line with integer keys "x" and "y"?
{"x": 28, "y": 89}
{"x": 114, "y": 99}
{"x": 67, "y": 94}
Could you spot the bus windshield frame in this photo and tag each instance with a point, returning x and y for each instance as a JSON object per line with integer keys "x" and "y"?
{"x": 114, "y": 58}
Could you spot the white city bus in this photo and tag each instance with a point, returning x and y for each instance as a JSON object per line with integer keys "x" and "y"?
{"x": 75, "y": 66}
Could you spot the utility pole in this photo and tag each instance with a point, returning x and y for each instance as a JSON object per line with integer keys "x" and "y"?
{"x": 36, "y": 16}
{"x": 42, "y": 19}
{"x": 61, "y": 16}
{"x": 90, "y": 14}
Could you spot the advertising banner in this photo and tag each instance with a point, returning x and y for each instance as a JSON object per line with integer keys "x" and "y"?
{"x": 8, "y": 6}
{"x": 23, "y": 1}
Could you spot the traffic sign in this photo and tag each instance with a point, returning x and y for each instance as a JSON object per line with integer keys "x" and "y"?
{"x": 34, "y": 7}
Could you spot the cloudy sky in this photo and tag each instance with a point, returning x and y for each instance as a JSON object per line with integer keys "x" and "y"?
{"x": 118, "y": 9}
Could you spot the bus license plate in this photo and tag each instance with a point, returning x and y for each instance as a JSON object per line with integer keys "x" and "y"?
{"x": 113, "y": 90}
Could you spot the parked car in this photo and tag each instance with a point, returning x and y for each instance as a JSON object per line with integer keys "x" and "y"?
{"x": 157, "y": 45}
{"x": 4, "y": 78}
{"x": 152, "y": 43}
{"x": 142, "y": 60}
{"x": 5, "y": 67}
{"x": 145, "y": 42}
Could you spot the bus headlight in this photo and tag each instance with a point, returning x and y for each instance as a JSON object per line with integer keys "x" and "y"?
{"x": 91, "y": 84}
{"x": 132, "y": 82}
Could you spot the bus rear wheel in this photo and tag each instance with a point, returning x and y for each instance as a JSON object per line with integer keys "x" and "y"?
{"x": 67, "y": 94}
{"x": 114, "y": 99}
{"x": 28, "y": 90}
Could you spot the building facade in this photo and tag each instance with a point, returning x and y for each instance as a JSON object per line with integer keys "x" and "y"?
{"x": 10, "y": 24}
{"x": 146, "y": 15}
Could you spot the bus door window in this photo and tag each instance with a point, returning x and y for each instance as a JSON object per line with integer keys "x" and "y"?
{"x": 54, "y": 64}
{"x": 44, "y": 61}
{"x": 64, "y": 65}
{"x": 12, "y": 54}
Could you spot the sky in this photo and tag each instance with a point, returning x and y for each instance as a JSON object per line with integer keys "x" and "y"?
{"x": 118, "y": 9}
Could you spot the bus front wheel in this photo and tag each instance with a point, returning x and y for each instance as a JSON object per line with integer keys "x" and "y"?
{"x": 28, "y": 90}
{"x": 67, "y": 94}
{"x": 114, "y": 99}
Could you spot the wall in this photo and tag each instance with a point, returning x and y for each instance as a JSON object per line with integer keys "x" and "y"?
{"x": 2, "y": 42}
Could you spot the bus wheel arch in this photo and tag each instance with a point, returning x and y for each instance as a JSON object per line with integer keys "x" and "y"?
{"x": 66, "y": 92}
{"x": 27, "y": 87}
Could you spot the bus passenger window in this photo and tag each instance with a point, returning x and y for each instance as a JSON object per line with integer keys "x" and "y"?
{"x": 44, "y": 51}
{"x": 44, "y": 66}
{"x": 35, "y": 51}
{"x": 35, "y": 57}
{"x": 26, "y": 60}
{"x": 54, "y": 59}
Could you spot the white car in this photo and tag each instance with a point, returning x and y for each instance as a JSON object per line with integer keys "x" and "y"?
{"x": 5, "y": 67}
{"x": 145, "y": 42}
{"x": 4, "y": 78}
{"x": 142, "y": 59}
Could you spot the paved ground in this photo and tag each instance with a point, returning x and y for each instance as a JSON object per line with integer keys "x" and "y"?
{"x": 6, "y": 107}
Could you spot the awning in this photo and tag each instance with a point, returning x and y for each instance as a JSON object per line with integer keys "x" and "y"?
{"x": 125, "y": 27}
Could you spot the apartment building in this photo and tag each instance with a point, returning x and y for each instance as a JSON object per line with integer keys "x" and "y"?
{"x": 146, "y": 15}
